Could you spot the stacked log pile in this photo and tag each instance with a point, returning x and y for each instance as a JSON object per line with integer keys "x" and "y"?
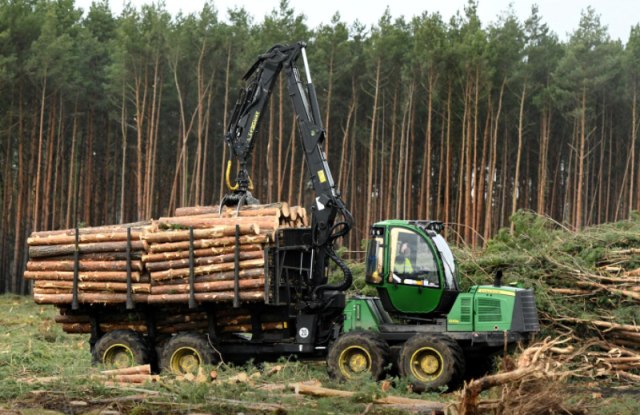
{"x": 213, "y": 248}
{"x": 102, "y": 263}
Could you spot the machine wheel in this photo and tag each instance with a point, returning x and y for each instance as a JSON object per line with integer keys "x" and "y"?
{"x": 358, "y": 354}
{"x": 186, "y": 353}
{"x": 431, "y": 361}
{"x": 121, "y": 348}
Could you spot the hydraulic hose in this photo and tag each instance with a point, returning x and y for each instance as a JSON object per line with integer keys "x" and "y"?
{"x": 341, "y": 286}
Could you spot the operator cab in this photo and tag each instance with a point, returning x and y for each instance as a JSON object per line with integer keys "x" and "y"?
{"x": 412, "y": 267}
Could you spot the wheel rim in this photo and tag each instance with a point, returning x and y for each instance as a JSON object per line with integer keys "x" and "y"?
{"x": 426, "y": 364}
{"x": 118, "y": 356}
{"x": 354, "y": 361}
{"x": 185, "y": 360}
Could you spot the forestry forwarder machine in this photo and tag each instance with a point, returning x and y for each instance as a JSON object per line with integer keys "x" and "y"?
{"x": 422, "y": 323}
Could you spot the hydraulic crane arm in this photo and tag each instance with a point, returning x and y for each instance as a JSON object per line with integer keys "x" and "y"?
{"x": 244, "y": 124}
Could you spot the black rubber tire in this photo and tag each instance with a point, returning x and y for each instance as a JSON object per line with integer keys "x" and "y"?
{"x": 431, "y": 362}
{"x": 186, "y": 353}
{"x": 358, "y": 354}
{"x": 121, "y": 348}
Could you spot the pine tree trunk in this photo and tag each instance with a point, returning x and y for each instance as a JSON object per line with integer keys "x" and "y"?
{"x": 372, "y": 142}
{"x": 516, "y": 176}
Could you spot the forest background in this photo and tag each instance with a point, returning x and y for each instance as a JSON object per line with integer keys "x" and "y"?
{"x": 111, "y": 119}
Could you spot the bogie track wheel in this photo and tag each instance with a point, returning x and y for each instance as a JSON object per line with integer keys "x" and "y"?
{"x": 120, "y": 349}
{"x": 186, "y": 353}
{"x": 431, "y": 361}
{"x": 358, "y": 354}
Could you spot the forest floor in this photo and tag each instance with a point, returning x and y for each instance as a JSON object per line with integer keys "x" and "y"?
{"x": 33, "y": 349}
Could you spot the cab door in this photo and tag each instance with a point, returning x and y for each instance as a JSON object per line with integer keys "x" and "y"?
{"x": 414, "y": 282}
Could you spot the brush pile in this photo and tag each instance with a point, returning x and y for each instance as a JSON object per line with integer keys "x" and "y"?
{"x": 586, "y": 284}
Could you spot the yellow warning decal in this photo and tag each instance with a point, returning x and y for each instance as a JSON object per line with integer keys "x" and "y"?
{"x": 321, "y": 176}
{"x": 254, "y": 124}
{"x": 497, "y": 292}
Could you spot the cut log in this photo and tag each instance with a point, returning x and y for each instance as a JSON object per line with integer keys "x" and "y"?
{"x": 105, "y": 327}
{"x": 87, "y": 238}
{"x": 208, "y": 286}
{"x": 83, "y": 266}
{"x": 207, "y": 243}
{"x": 199, "y": 222}
{"x": 114, "y": 276}
{"x": 87, "y": 298}
{"x": 40, "y": 251}
{"x": 98, "y": 256}
{"x": 134, "y": 370}
{"x": 95, "y": 286}
{"x": 247, "y": 328}
{"x": 209, "y": 233}
{"x": 218, "y": 259}
{"x": 205, "y": 297}
{"x": 178, "y": 327}
{"x": 205, "y": 269}
{"x": 204, "y": 252}
{"x": 216, "y": 276}
{"x": 135, "y": 226}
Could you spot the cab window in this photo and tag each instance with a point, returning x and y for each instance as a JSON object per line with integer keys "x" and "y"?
{"x": 374, "y": 261}
{"x": 412, "y": 260}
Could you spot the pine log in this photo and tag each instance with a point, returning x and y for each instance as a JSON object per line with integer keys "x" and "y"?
{"x": 105, "y": 327}
{"x": 87, "y": 298}
{"x": 208, "y": 286}
{"x": 113, "y": 276}
{"x": 216, "y": 276}
{"x": 83, "y": 266}
{"x": 95, "y": 286}
{"x": 218, "y": 259}
{"x": 110, "y": 317}
{"x": 97, "y": 256}
{"x": 209, "y": 233}
{"x": 200, "y": 210}
{"x": 246, "y": 328}
{"x": 181, "y": 318}
{"x": 88, "y": 238}
{"x": 135, "y": 226}
{"x": 204, "y": 252}
{"x": 199, "y": 222}
{"x": 207, "y": 243}
{"x": 134, "y": 370}
{"x": 56, "y": 250}
{"x": 178, "y": 327}
{"x": 205, "y": 269}
{"x": 202, "y": 297}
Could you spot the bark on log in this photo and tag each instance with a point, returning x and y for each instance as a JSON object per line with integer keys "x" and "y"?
{"x": 98, "y": 256}
{"x": 200, "y": 210}
{"x": 205, "y": 269}
{"x": 247, "y": 328}
{"x": 204, "y": 252}
{"x": 134, "y": 370}
{"x": 178, "y": 327}
{"x": 208, "y": 286}
{"x": 208, "y": 222}
{"x": 207, "y": 243}
{"x": 113, "y": 276}
{"x": 87, "y": 298}
{"x": 208, "y": 297}
{"x": 95, "y": 286}
{"x": 105, "y": 327}
{"x": 135, "y": 226}
{"x": 83, "y": 266}
{"x": 87, "y": 238}
{"x": 216, "y": 276}
{"x": 209, "y": 233}
{"x": 40, "y": 251}
{"x": 218, "y": 259}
